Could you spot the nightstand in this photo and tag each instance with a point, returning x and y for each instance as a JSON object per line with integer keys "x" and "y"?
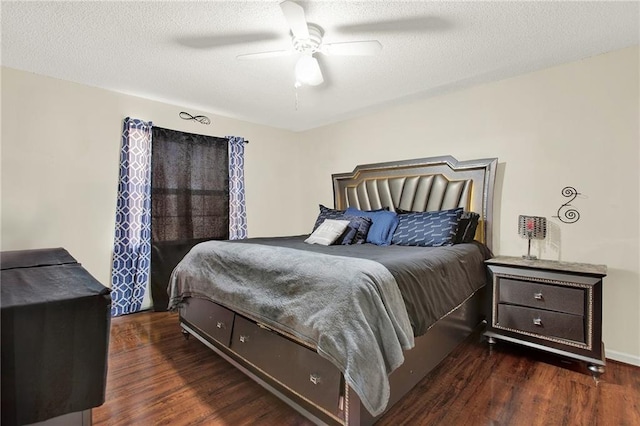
{"x": 548, "y": 305}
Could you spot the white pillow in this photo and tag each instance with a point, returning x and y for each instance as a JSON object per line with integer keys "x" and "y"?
{"x": 328, "y": 232}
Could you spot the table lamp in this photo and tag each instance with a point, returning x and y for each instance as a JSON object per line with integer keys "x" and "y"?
{"x": 532, "y": 228}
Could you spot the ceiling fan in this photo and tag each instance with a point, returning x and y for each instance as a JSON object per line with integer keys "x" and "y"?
{"x": 306, "y": 40}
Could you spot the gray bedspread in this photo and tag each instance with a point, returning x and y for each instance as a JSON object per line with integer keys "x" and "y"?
{"x": 433, "y": 280}
{"x": 349, "y": 308}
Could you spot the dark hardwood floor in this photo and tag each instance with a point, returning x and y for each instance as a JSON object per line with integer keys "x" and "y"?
{"x": 156, "y": 377}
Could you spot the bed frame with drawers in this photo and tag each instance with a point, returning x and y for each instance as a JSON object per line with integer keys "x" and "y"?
{"x": 293, "y": 370}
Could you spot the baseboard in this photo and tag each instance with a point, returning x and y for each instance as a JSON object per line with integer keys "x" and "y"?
{"x": 623, "y": 357}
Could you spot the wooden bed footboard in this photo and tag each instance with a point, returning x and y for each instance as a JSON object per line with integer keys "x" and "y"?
{"x": 303, "y": 379}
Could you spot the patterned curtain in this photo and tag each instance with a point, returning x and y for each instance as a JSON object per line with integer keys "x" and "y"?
{"x": 237, "y": 208}
{"x": 132, "y": 245}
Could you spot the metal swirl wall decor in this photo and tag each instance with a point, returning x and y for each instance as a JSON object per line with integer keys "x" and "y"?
{"x": 203, "y": 119}
{"x": 566, "y": 214}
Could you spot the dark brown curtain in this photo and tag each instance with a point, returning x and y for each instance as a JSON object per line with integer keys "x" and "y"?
{"x": 189, "y": 200}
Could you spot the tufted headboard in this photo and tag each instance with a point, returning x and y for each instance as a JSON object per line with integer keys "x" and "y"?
{"x": 425, "y": 184}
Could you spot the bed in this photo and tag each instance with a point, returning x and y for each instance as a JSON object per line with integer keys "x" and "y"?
{"x": 342, "y": 332}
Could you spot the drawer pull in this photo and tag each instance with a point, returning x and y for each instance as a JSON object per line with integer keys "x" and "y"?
{"x": 537, "y": 321}
{"x": 220, "y": 324}
{"x": 244, "y": 339}
{"x": 538, "y": 296}
{"x": 315, "y": 379}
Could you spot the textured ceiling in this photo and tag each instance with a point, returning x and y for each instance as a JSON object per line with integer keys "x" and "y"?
{"x": 185, "y": 53}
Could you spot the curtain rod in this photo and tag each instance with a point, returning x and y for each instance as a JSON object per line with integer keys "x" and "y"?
{"x": 246, "y": 141}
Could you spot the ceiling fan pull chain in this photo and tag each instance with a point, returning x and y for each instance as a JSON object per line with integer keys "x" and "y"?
{"x": 296, "y": 86}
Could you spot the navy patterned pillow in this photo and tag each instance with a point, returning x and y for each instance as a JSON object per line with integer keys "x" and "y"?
{"x": 466, "y": 226}
{"x": 427, "y": 229}
{"x": 327, "y": 213}
{"x": 357, "y": 230}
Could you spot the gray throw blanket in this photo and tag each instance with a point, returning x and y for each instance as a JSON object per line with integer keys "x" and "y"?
{"x": 350, "y": 309}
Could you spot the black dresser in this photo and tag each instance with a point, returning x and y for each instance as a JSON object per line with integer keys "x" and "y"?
{"x": 55, "y": 337}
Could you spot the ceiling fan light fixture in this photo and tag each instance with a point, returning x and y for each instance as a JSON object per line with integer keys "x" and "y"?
{"x": 308, "y": 71}
{"x": 311, "y": 44}
{"x": 306, "y": 39}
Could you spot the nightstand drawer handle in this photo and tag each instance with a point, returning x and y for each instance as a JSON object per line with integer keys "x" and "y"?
{"x": 538, "y": 296}
{"x": 537, "y": 321}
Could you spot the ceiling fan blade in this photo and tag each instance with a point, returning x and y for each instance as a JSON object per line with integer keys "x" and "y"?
{"x": 308, "y": 71}
{"x": 263, "y": 55}
{"x": 217, "y": 40}
{"x": 416, "y": 24}
{"x": 353, "y": 48}
{"x": 294, "y": 14}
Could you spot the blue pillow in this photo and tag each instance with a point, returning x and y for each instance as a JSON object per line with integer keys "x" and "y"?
{"x": 383, "y": 224}
{"x": 327, "y": 213}
{"x": 357, "y": 230}
{"x": 427, "y": 229}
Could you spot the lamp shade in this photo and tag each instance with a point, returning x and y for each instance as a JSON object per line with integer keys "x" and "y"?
{"x": 532, "y": 227}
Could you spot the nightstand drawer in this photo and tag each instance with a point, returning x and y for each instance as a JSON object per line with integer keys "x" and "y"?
{"x": 545, "y": 296}
{"x": 545, "y": 323}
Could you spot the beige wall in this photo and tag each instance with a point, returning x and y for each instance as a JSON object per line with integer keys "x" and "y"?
{"x": 60, "y": 158}
{"x": 575, "y": 124}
